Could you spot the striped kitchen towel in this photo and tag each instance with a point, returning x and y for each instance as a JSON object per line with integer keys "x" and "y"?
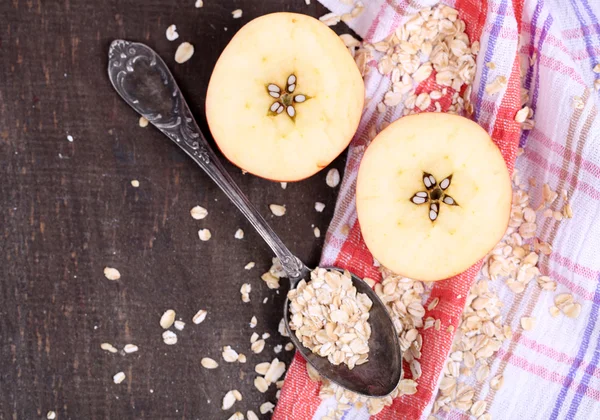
{"x": 553, "y": 370}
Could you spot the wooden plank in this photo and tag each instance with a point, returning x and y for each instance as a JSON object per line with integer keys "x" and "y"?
{"x": 69, "y": 210}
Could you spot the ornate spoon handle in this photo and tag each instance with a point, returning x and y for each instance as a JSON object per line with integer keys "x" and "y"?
{"x": 144, "y": 81}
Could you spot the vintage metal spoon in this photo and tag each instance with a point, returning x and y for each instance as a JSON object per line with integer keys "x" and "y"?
{"x": 143, "y": 80}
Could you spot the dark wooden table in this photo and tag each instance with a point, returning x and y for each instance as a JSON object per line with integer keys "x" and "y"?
{"x": 68, "y": 209}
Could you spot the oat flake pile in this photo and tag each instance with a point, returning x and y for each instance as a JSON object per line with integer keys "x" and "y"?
{"x": 515, "y": 336}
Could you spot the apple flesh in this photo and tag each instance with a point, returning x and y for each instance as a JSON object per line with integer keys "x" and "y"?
{"x": 433, "y": 196}
{"x": 285, "y": 97}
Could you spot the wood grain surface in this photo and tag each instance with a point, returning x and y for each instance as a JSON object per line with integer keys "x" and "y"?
{"x": 67, "y": 210}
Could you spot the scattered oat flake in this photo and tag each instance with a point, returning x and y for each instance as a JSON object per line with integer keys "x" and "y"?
{"x": 490, "y": 65}
{"x": 319, "y": 207}
{"x": 370, "y": 282}
{"x": 545, "y": 248}
{"x": 250, "y": 414}
{"x": 249, "y": 266}
{"x": 433, "y": 304}
{"x": 258, "y": 346}
{"x": 236, "y": 416}
{"x": 572, "y": 310}
{"x": 262, "y": 368}
{"x": 130, "y": 348}
{"x": 245, "y": 292}
{"x": 108, "y": 347}
{"x": 184, "y": 52}
{"x": 596, "y": 68}
{"x": 51, "y": 415}
{"x": 522, "y": 114}
{"x": 266, "y": 407}
{"x": 199, "y": 317}
{"x": 423, "y": 101}
{"x": 568, "y": 211}
{"x": 554, "y": 311}
{"x": 289, "y": 347}
{"x": 199, "y": 4}
{"x": 545, "y": 283}
{"x": 237, "y": 13}
{"x": 229, "y": 354}
{"x": 261, "y": 384}
{"x": 167, "y": 319}
{"x": 357, "y": 10}
{"x": 563, "y": 299}
{"x": 169, "y": 338}
{"x": 135, "y": 183}
{"x": 317, "y": 232}
{"x": 204, "y": 234}
{"x": 283, "y": 185}
{"x": 528, "y": 125}
{"x": 577, "y": 103}
{"x": 119, "y": 377}
{"x": 482, "y": 373}
{"x": 143, "y": 122}
{"x": 527, "y": 323}
{"x": 111, "y": 273}
{"x": 198, "y": 212}
{"x": 241, "y": 358}
{"x": 228, "y": 400}
{"x": 333, "y": 178}
{"x": 275, "y": 371}
{"x": 497, "y": 382}
{"x": 281, "y": 328}
{"x": 478, "y": 408}
{"x": 330, "y": 19}
{"x": 209, "y": 363}
{"x": 496, "y": 86}
{"x": 171, "y": 33}
{"x": 349, "y": 40}
{"x": 277, "y": 209}
{"x": 272, "y": 276}
{"x": 407, "y": 386}
{"x": 278, "y": 348}
{"x": 179, "y": 325}
{"x": 239, "y": 234}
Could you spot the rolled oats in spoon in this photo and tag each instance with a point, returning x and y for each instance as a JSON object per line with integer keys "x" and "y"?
{"x": 331, "y": 318}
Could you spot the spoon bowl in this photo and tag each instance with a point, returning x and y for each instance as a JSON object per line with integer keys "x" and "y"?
{"x": 144, "y": 81}
{"x": 368, "y": 379}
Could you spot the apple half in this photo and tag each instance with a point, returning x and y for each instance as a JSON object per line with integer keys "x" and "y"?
{"x": 285, "y": 97}
{"x": 433, "y": 196}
